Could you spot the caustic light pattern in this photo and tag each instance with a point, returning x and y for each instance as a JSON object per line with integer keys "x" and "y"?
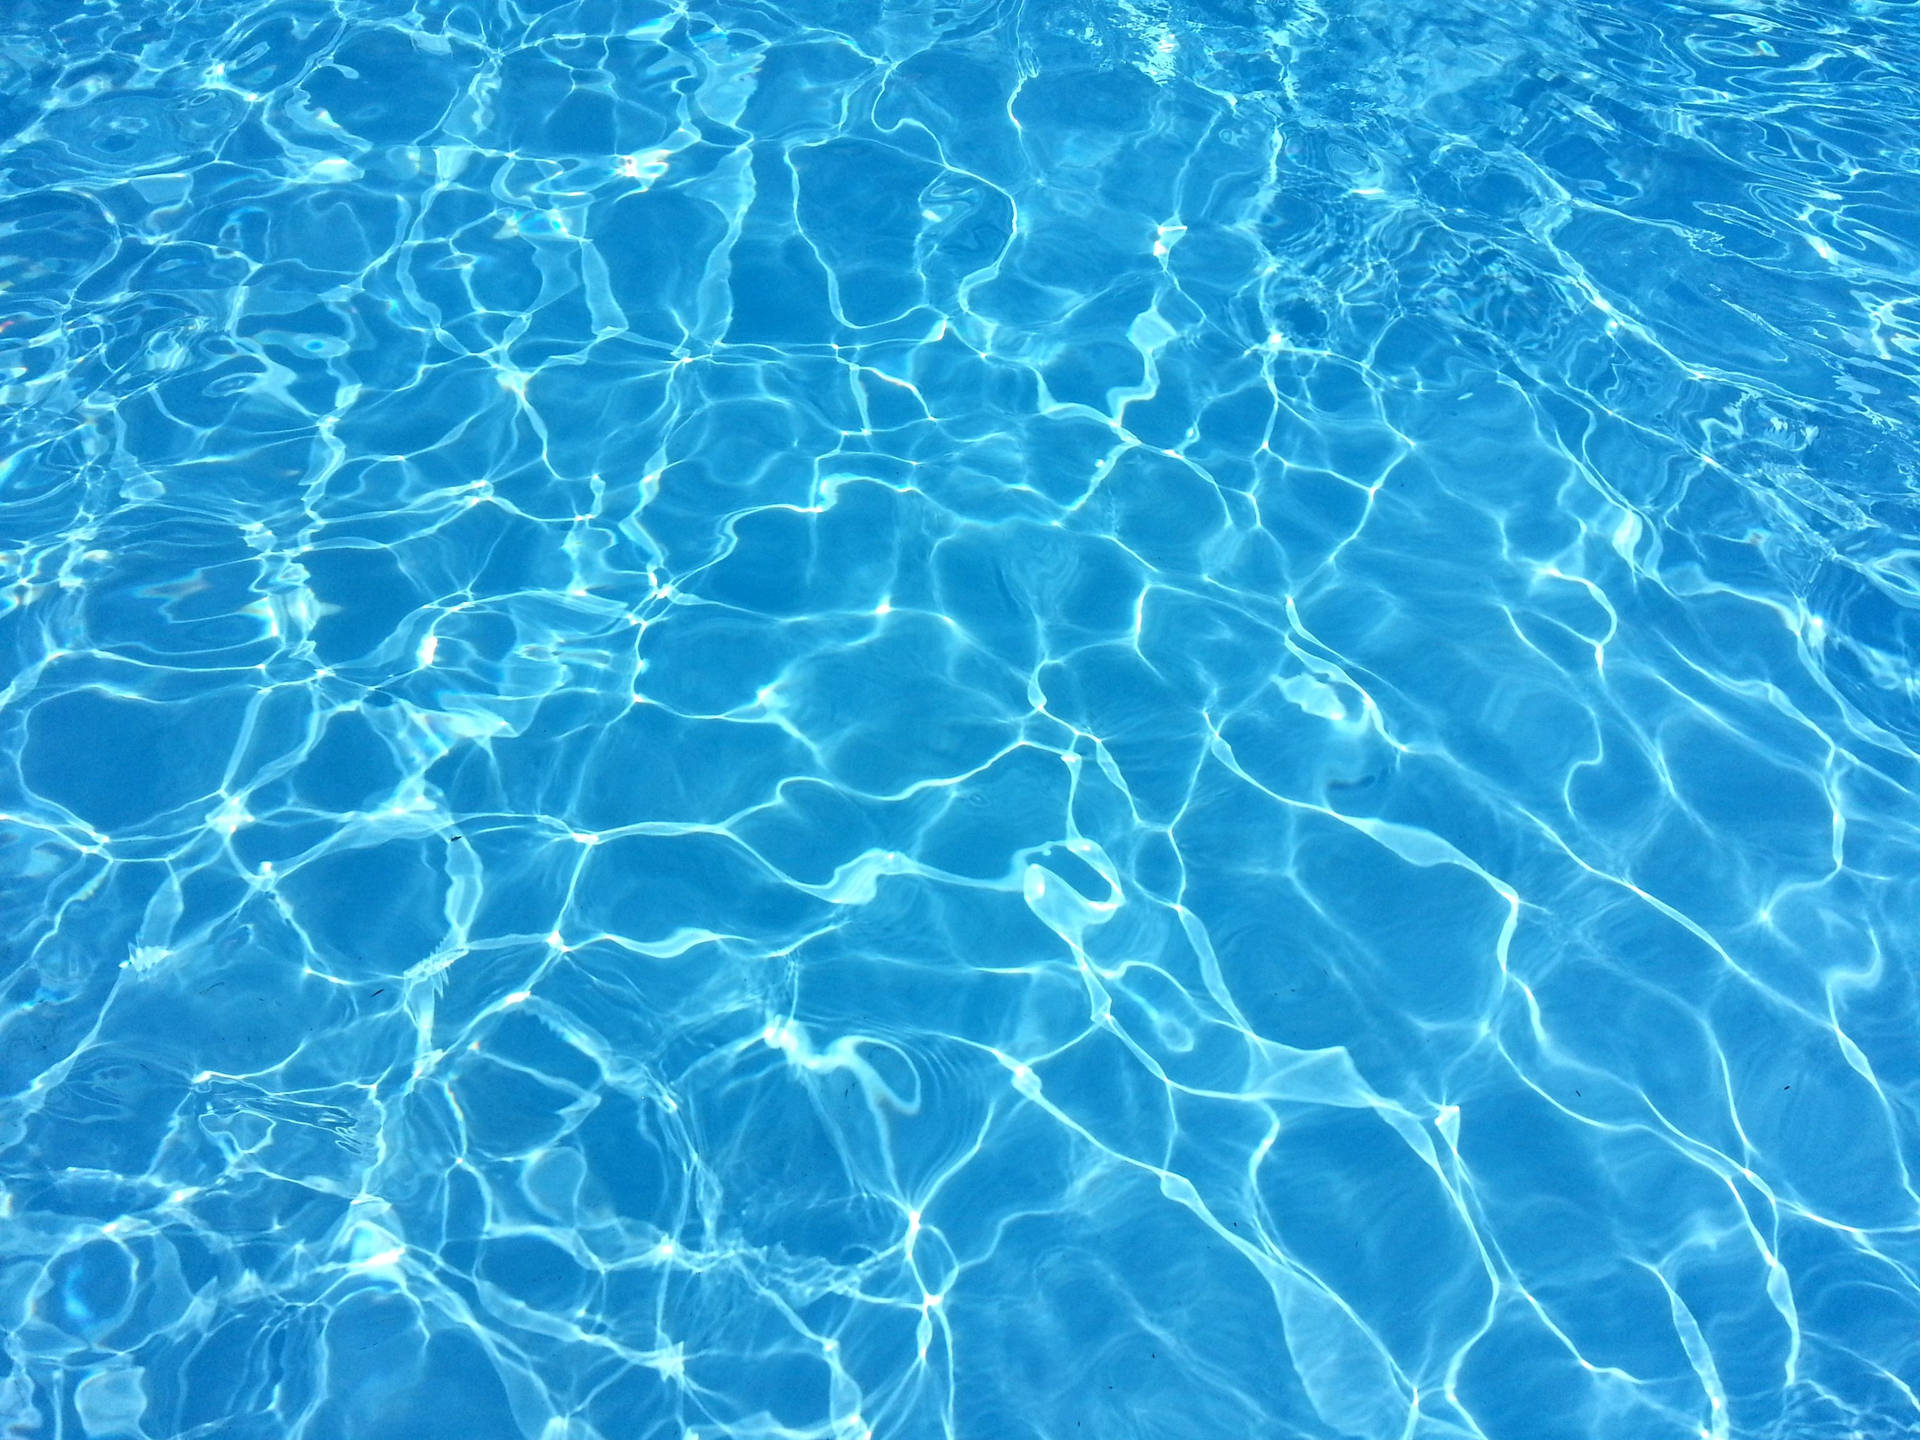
{"x": 1186, "y": 719}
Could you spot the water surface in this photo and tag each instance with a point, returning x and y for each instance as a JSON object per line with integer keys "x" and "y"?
{"x": 985, "y": 720}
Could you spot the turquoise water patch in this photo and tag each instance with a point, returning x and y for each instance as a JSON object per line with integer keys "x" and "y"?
{"x": 999, "y": 722}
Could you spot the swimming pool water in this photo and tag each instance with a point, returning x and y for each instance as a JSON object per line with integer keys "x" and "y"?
{"x": 977, "y": 720}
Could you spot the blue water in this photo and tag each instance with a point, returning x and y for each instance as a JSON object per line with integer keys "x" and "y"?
{"x": 988, "y": 720}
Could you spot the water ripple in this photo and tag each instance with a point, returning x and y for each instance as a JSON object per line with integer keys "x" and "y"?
{"x": 977, "y": 721}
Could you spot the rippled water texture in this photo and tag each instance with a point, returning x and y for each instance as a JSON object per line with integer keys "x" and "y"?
{"x": 986, "y": 720}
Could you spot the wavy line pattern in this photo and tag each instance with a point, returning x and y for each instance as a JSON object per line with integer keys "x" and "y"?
{"x": 986, "y": 719}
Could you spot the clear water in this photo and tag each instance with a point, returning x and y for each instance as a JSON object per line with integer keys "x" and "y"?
{"x": 991, "y": 720}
